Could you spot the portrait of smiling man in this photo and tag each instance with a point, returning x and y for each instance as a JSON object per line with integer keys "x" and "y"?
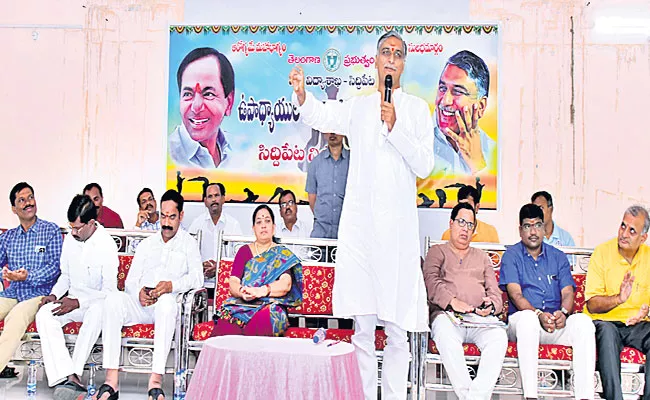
{"x": 461, "y": 147}
{"x": 206, "y": 84}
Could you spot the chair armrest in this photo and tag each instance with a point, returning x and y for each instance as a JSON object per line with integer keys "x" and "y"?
{"x": 195, "y": 310}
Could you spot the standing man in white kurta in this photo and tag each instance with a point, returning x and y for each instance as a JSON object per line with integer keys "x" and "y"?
{"x": 164, "y": 265}
{"x": 88, "y": 273}
{"x": 378, "y": 275}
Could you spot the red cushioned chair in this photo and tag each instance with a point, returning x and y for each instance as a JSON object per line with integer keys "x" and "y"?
{"x": 137, "y": 340}
{"x": 555, "y": 361}
{"x": 318, "y": 281}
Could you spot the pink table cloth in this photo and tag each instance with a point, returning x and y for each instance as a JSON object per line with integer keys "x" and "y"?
{"x": 250, "y": 367}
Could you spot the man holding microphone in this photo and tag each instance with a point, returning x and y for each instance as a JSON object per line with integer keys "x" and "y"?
{"x": 378, "y": 275}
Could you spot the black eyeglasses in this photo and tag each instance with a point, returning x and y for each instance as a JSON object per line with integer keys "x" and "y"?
{"x": 462, "y": 223}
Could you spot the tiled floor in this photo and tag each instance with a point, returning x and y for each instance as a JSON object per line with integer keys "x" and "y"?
{"x": 132, "y": 386}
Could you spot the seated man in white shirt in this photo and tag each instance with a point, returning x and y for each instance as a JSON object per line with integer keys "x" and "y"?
{"x": 148, "y": 218}
{"x": 211, "y": 222}
{"x": 164, "y": 265}
{"x": 290, "y": 225}
{"x": 88, "y": 273}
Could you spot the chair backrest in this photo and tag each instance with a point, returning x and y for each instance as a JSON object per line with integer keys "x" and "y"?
{"x": 123, "y": 270}
{"x": 579, "y": 255}
{"x": 127, "y": 242}
{"x": 318, "y": 277}
{"x": 318, "y": 281}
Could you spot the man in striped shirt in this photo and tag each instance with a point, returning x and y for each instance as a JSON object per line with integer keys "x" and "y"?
{"x": 30, "y": 255}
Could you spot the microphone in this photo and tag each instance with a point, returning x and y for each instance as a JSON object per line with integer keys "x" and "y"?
{"x": 388, "y": 87}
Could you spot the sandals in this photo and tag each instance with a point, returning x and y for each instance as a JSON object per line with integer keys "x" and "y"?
{"x": 113, "y": 395}
{"x": 68, "y": 384}
{"x": 68, "y": 391}
{"x": 8, "y": 372}
{"x": 155, "y": 392}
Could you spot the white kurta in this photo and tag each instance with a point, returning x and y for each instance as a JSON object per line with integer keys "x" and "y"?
{"x": 88, "y": 274}
{"x": 155, "y": 261}
{"x": 88, "y": 269}
{"x": 228, "y": 224}
{"x": 378, "y": 258}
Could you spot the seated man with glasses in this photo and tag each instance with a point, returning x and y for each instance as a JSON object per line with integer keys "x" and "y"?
{"x": 460, "y": 279}
{"x": 30, "y": 255}
{"x": 210, "y": 223}
{"x": 538, "y": 279}
{"x": 290, "y": 225}
{"x": 617, "y": 292}
{"x": 88, "y": 273}
{"x": 483, "y": 232}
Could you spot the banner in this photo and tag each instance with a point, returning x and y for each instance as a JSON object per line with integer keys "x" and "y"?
{"x": 231, "y": 119}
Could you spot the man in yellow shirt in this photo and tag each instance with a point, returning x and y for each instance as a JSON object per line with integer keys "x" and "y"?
{"x": 483, "y": 232}
{"x": 617, "y": 293}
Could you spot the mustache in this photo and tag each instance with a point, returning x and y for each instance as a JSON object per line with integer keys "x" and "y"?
{"x": 28, "y": 206}
{"x": 214, "y": 203}
{"x": 167, "y": 227}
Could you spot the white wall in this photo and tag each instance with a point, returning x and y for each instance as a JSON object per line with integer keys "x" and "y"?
{"x": 85, "y": 99}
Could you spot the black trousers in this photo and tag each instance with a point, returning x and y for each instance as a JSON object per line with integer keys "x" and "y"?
{"x": 611, "y": 337}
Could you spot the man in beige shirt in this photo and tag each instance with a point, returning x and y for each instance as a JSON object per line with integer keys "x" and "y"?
{"x": 460, "y": 278}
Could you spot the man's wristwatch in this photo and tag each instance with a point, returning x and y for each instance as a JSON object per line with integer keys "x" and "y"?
{"x": 565, "y": 312}
{"x": 538, "y": 312}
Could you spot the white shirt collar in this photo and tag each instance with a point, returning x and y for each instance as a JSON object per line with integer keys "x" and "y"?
{"x": 190, "y": 148}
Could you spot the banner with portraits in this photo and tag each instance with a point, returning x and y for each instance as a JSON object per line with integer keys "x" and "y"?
{"x": 231, "y": 118}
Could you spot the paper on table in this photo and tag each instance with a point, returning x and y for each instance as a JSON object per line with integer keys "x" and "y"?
{"x": 472, "y": 320}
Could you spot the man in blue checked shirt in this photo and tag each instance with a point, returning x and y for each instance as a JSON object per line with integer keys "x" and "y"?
{"x": 30, "y": 255}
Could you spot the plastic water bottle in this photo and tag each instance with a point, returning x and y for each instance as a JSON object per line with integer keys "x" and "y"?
{"x": 319, "y": 336}
{"x": 92, "y": 389}
{"x": 179, "y": 392}
{"x": 32, "y": 368}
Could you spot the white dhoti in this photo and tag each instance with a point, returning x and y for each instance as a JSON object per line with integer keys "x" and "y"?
{"x": 579, "y": 333}
{"x": 124, "y": 310}
{"x": 56, "y": 357}
{"x": 492, "y": 342}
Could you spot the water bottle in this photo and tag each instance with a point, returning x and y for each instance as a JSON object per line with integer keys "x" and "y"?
{"x": 179, "y": 393}
{"x": 92, "y": 389}
{"x": 32, "y": 368}
{"x": 319, "y": 336}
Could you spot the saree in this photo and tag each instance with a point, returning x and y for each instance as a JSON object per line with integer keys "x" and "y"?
{"x": 262, "y": 270}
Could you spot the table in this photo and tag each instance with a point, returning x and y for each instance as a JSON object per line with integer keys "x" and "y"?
{"x": 251, "y": 367}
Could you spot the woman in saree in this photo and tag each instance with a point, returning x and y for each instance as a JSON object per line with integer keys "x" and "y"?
{"x": 266, "y": 278}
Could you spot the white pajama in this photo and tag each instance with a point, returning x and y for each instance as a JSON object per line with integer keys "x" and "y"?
{"x": 124, "y": 310}
{"x": 88, "y": 274}
{"x": 177, "y": 261}
{"x": 579, "y": 332}
{"x": 492, "y": 342}
{"x": 395, "y": 364}
{"x": 58, "y": 363}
